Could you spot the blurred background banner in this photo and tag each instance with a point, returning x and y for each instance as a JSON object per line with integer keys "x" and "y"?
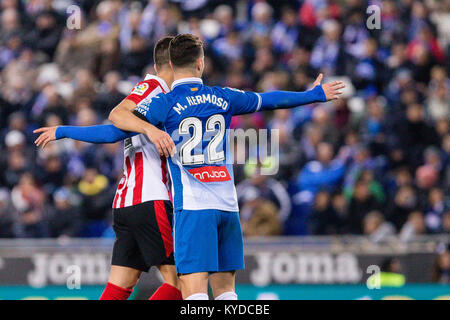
{"x": 276, "y": 268}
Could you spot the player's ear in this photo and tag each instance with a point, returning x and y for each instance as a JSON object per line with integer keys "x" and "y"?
{"x": 200, "y": 64}
{"x": 155, "y": 68}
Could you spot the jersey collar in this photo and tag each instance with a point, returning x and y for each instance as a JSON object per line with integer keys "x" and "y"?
{"x": 186, "y": 81}
{"x": 160, "y": 80}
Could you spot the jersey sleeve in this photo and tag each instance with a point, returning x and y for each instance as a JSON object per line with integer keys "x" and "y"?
{"x": 143, "y": 89}
{"x": 93, "y": 134}
{"x": 242, "y": 102}
{"x": 153, "y": 110}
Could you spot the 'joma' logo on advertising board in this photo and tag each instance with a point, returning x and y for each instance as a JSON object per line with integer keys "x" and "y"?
{"x": 317, "y": 268}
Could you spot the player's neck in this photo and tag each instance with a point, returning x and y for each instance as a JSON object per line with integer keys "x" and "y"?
{"x": 182, "y": 74}
{"x": 167, "y": 76}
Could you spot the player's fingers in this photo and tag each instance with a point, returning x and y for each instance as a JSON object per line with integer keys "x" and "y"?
{"x": 174, "y": 150}
{"x": 166, "y": 146}
{"x": 46, "y": 141}
{"x": 334, "y": 84}
{"x": 318, "y": 80}
{"x": 43, "y": 129}
{"x": 339, "y": 86}
{"x": 162, "y": 143}
{"x": 158, "y": 146}
{"x": 336, "y": 91}
{"x": 40, "y": 139}
{"x": 171, "y": 145}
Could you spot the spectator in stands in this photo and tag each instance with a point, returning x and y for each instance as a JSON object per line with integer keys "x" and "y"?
{"x": 30, "y": 202}
{"x": 96, "y": 199}
{"x": 446, "y": 222}
{"x": 414, "y": 226}
{"x": 325, "y": 172}
{"x": 404, "y": 203}
{"x": 436, "y": 207}
{"x": 45, "y": 36}
{"x": 377, "y": 228}
{"x": 258, "y": 187}
{"x": 324, "y": 219}
{"x": 261, "y": 24}
{"x": 285, "y": 32}
{"x": 109, "y": 94}
{"x": 328, "y": 53}
{"x": 8, "y": 216}
{"x": 65, "y": 218}
{"x": 441, "y": 272}
{"x": 264, "y": 220}
{"x": 361, "y": 203}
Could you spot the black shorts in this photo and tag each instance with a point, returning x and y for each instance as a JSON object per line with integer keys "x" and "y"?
{"x": 143, "y": 235}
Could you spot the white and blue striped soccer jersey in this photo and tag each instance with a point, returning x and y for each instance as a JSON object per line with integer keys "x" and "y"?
{"x": 197, "y": 117}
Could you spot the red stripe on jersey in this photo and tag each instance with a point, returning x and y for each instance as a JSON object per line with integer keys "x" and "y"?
{"x": 164, "y": 169}
{"x": 123, "y": 195}
{"x": 164, "y": 225}
{"x": 139, "y": 178}
{"x": 152, "y": 85}
{"x": 119, "y": 188}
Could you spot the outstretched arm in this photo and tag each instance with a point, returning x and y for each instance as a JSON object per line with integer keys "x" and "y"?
{"x": 248, "y": 102}
{"x": 288, "y": 99}
{"x": 93, "y": 134}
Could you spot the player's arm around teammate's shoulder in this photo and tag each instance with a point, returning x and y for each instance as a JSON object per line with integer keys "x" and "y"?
{"x": 124, "y": 117}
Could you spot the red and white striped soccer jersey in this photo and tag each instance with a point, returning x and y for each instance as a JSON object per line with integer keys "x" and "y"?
{"x": 145, "y": 174}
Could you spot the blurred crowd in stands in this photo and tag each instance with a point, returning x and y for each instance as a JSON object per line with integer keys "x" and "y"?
{"x": 375, "y": 162}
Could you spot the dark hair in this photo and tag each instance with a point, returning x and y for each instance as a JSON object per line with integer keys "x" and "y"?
{"x": 161, "y": 51}
{"x": 185, "y": 49}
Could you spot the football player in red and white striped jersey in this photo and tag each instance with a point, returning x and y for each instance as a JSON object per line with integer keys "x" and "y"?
{"x": 141, "y": 157}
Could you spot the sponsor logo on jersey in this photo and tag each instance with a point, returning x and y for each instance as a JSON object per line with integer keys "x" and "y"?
{"x": 210, "y": 174}
{"x": 128, "y": 143}
{"x": 140, "y": 89}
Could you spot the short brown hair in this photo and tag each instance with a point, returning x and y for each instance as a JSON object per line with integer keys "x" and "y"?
{"x": 161, "y": 51}
{"x": 185, "y": 49}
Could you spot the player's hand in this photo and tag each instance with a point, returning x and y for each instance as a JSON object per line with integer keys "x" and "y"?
{"x": 332, "y": 90}
{"x": 47, "y": 134}
{"x": 162, "y": 141}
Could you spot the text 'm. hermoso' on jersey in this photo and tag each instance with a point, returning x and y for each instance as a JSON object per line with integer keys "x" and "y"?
{"x": 197, "y": 117}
